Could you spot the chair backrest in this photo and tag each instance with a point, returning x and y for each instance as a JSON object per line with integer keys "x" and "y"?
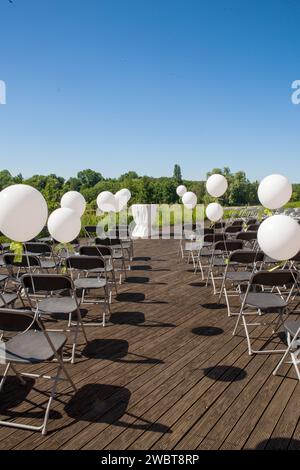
{"x": 248, "y": 236}
{"x": 108, "y": 241}
{"x": 238, "y": 222}
{"x": 22, "y": 261}
{"x": 90, "y": 229}
{"x": 229, "y": 245}
{"x": 246, "y": 256}
{"x": 38, "y": 247}
{"x": 94, "y": 250}
{"x": 46, "y": 282}
{"x": 207, "y": 231}
{"x": 252, "y": 221}
{"x": 253, "y": 228}
{"x": 214, "y": 237}
{"x": 233, "y": 229}
{"x": 219, "y": 225}
{"x": 73, "y": 242}
{"x": 13, "y": 320}
{"x": 85, "y": 262}
{"x": 278, "y": 278}
{"x": 103, "y": 241}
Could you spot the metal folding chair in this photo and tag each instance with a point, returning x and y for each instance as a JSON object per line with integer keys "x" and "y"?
{"x": 256, "y": 298}
{"x": 30, "y": 346}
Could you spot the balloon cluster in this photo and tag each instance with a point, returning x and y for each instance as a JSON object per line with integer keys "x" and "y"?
{"x": 24, "y": 213}
{"x": 109, "y": 202}
{"x": 279, "y": 235}
{"x": 216, "y": 186}
{"x": 64, "y": 224}
{"x": 189, "y": 198}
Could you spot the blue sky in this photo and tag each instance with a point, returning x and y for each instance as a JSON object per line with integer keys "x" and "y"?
{"x": 118, "y": 85}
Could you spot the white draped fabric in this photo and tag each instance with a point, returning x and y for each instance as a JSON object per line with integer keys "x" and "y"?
{"x": 143, "y": 215}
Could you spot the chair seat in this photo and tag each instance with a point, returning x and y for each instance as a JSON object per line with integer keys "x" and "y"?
{"x": 46, "y": 240}
{"x": 116, "y": 247}
{"x": 292, "y": 326}
{"x": 3, "y": 277}
{"x": 31, "y": 347}
{"x": 219, "y": 262}
{"x": 108, "y": 268}
{"x": 57, "y": 305}
{"x": 89, "y": 283}
{"x": 7, "y": 299}
{"x": 207, "y": 252}
{"x": 127, "y": 245}
{"x": 269, "y": 260}
{"x": 193, "y": 246}
{"x": 265, "y": 300}
{"x": 239, "y": 276}
{"x": 48, "y": 264}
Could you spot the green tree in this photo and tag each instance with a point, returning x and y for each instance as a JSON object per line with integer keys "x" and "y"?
{"x": 89, "y": 177}
{"x": 130, "y": 175}
{"x": 6, "y": 179}
{"x": 177, "y": 174}
{"x": 73, "y": 184}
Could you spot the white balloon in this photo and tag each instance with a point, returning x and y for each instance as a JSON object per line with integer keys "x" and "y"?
{"x": 74, "y": 200}
{"x": 279, "y": 237}
{"x": 121, "y": 198}
{"x": 23, "y": 212}
{"x": 214, "y": 212}
{"x": 216, "y": 185}
{"x": 124, "y": 193}
{"x": 189, "y": 199}
{"x": 64, "y": 225}
{"x": 106, "y": 202}
{"x": 181, "y": 190}
{"x": 274, "y": 191}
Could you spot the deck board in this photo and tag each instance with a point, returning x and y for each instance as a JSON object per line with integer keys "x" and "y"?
{"x": 165, "y": 373}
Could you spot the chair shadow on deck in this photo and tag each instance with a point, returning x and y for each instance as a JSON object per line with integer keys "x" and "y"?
{"x": 136, "y": 319}
{"x": 15, "y": 394}
{"x": 197, "y": 284}
{"x": 225, "y": 373}
{"x": 135, "y": 297}
{"x": 137, "y": 280}
{"x": 115, "y": 350}
{"x": 279, "y": 443}
{"x": 143, "y": 280}
{"x": 141, "y": 267}
{"x": 207, "y": 331}
{"x": 142, "y": 258}
{"x": 214, "y": 306}
{"x": 104, "y": 403}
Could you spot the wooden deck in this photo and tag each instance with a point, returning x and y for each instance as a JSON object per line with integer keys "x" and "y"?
{"x": 165, "y": 373}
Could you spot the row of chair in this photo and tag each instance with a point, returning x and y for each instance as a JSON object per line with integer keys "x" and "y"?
{"x": 237, "y": 268}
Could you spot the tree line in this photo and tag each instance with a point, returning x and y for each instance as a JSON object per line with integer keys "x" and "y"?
{"x": 144, "y": 189}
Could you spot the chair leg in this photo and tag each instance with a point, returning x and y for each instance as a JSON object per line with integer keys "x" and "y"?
{"x": 283, "y": 359}
{"x": 113, "y": 275}
{"x": 227, "y": 301}
{"x": 79, "y": 318}
{"x": 4, "y": 376}
{"x": 247, "y": 336}
{"x": 237, "y": 323}
{"x": 53, "y": 392}
{"x": 295, "y": 363}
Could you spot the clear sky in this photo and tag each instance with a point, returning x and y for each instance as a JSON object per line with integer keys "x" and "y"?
{"x": 118, "y": 85}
